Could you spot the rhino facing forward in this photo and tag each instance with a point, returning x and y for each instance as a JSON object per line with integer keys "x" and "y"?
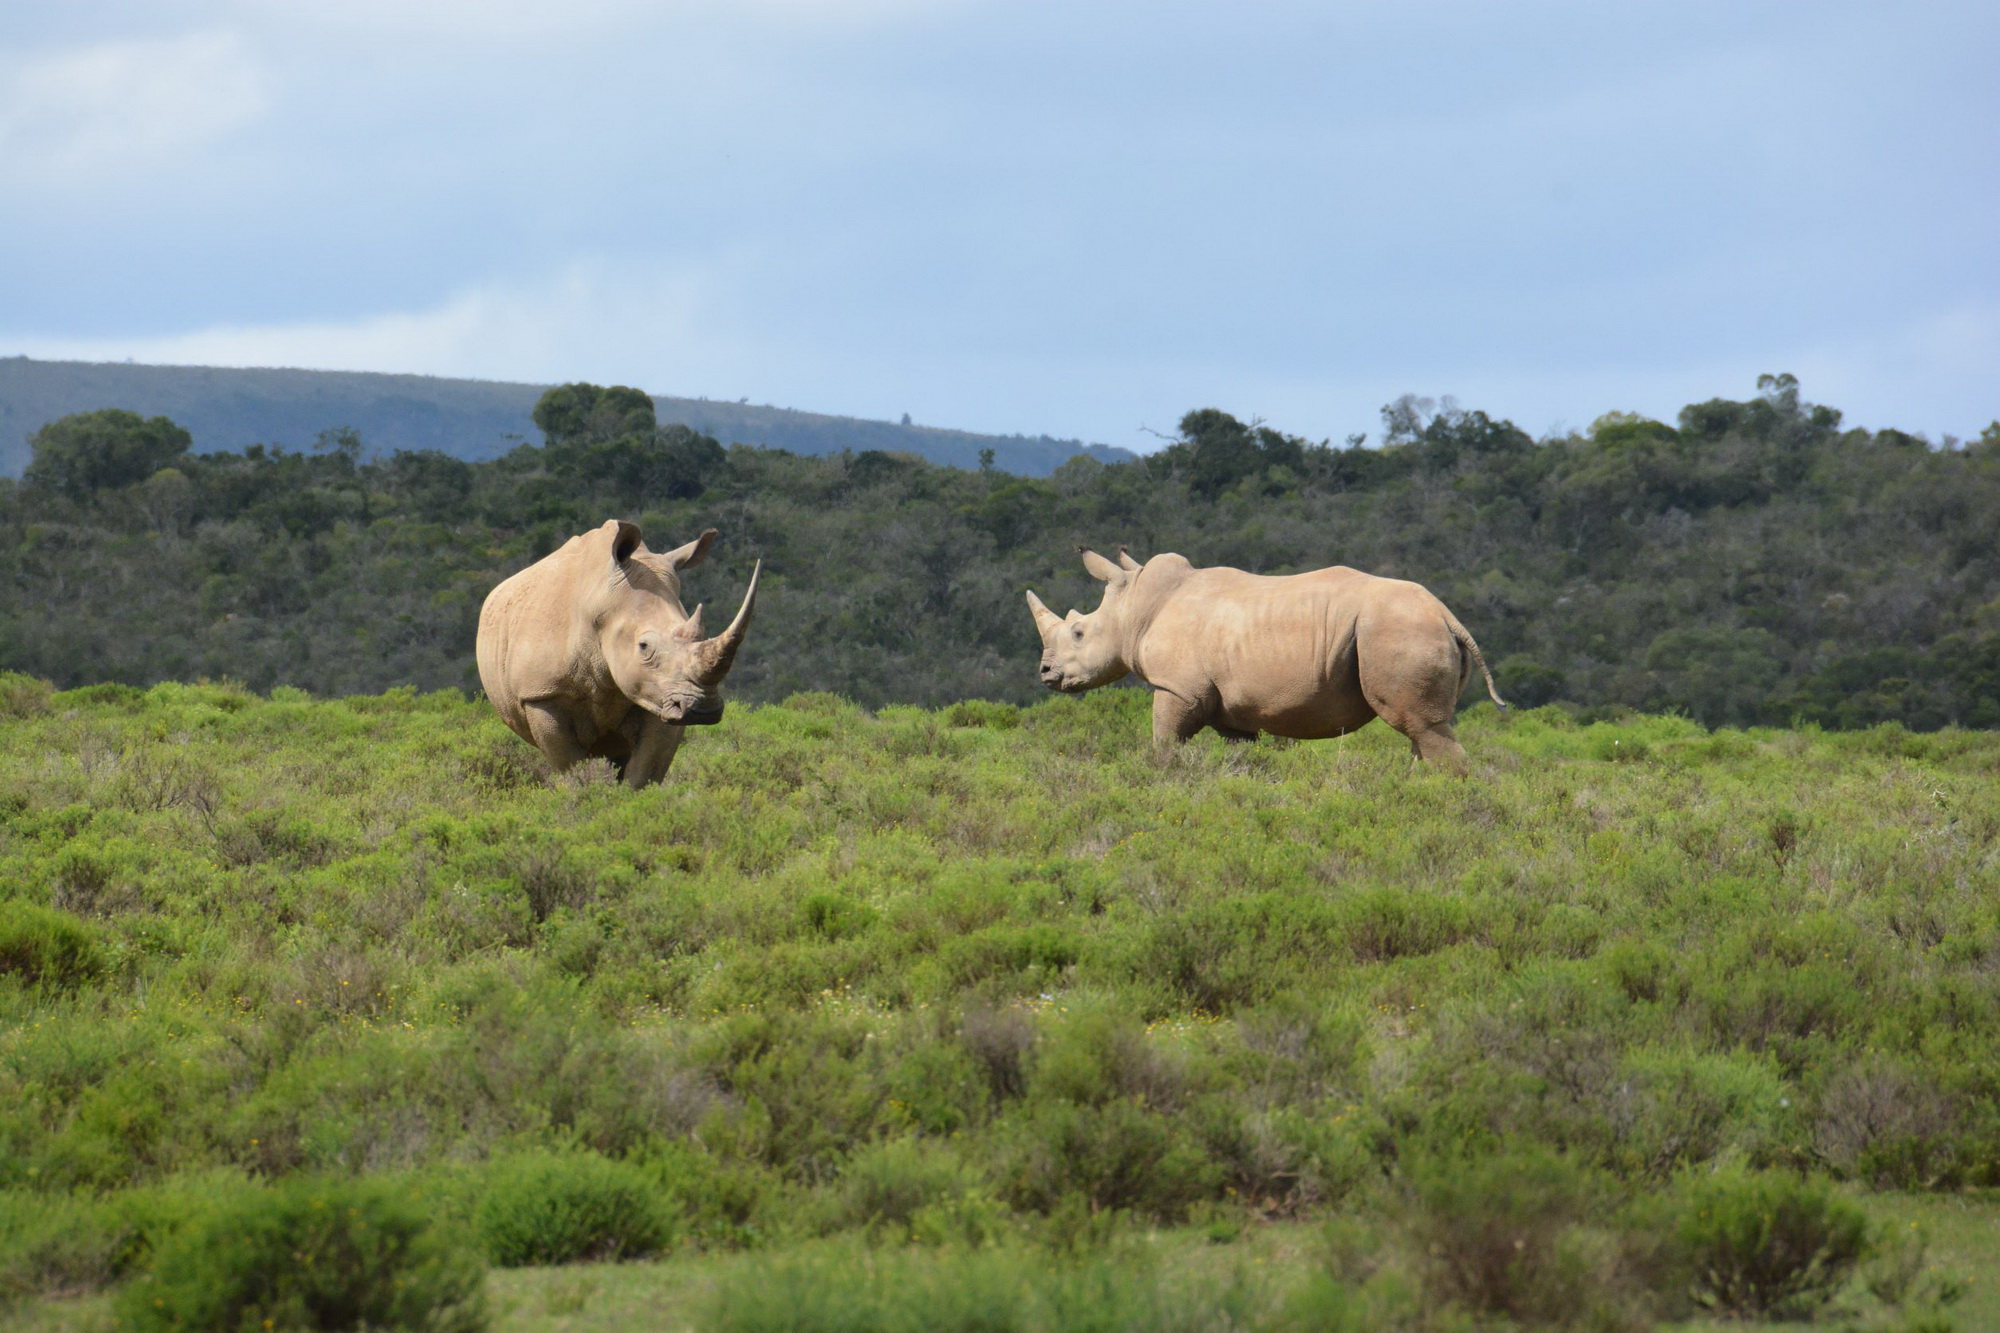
{"x": 588, "y": 652}
{"x": 1300, "y": 655}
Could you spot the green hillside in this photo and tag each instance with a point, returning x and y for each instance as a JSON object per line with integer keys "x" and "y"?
{"x": 989, "y": 1018}
{"x": 229, "y": 409}
{"x": 1754, "y": 562}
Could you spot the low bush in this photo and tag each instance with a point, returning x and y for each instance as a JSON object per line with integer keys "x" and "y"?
{"x": 58, "y": 1245}
{"x": 46, "y": 947}
{"x": 983, "y": 713}
{"x": 1510, "y": 1234}
{"x": 1116, "y": 1157}
{"x": 23, "y": 695}
{"x": 309, "y": 1254}
{"x": 1768, "y": 1244}
{"x": 558, "y": 1208}
{"x": 890, "y": 1183}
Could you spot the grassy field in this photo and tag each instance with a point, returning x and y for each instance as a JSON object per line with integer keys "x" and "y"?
{"x": 990, "y": 1018}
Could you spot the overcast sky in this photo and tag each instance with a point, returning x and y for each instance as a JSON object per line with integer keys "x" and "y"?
{"x": 1079, "y": 219}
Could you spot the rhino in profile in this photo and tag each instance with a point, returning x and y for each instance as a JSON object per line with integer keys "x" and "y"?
{"x": 1301, "y": 655}
{"x": 588, "y": 652}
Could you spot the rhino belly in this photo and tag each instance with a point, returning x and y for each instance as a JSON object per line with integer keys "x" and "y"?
{"x": 1305, "y": 694}
{"x": 1328, "y": 715}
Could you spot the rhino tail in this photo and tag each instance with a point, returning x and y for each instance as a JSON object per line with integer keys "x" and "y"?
{"x": 1471, "y": 645}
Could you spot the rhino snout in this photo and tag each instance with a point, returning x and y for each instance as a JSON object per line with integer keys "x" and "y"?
{"x": 687, "y": 712}
{"x": 703, "y": 715}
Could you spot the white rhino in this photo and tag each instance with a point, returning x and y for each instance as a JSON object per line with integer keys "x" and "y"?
{"x": 1300, "y": 655}
{"x": 588, "y": 652}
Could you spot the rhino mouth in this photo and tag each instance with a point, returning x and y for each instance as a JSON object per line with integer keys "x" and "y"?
{"x": 701, "y": 717}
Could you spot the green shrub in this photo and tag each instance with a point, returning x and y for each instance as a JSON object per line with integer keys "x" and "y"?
{"x": 23, "y": 696}
{"x": 108, "y": 693}
{"x": 1116, "y": 1157}
{"x": 892, "y": 1182}
{"x": 723, "y": 1204}
{"x": 1768, "y": 1244}
{"x": 1100, "y": 1056}
{"x": 1027, "y": 957}
{"x": 937, "y": 1087}
{"x": 558, "y": 1208}
{"x": 1504, "y": 1234}
{"x": 46, "y": 947}
{"x": 309, "y": 1254}
{"x": 983, "y": 713}
{"x": 1893, "y": 1127}
{"x": 834, "y": 916}
{"x": 57, "y": 1245}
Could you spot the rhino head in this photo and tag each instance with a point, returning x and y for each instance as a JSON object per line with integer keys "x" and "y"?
{"x": 657, "y": 653}
{"x": 1081, "y": 652}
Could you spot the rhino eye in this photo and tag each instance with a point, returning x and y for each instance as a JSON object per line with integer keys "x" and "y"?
{"x": 1076, "y": 632}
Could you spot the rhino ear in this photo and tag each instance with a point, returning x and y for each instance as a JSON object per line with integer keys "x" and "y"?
{"x": 625, "y": 539}
{"x": 1125, "y": 560}
{"x": 691, "y": 554}
{"x": 1101, "y": 569}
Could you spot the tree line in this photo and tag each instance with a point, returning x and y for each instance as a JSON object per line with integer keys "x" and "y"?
{"x": 1752, "y": 562}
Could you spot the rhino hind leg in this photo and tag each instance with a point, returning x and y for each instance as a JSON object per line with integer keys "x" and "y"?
{"x": 1438, "y": 745}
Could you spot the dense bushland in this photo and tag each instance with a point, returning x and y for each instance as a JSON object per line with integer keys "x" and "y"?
{"x": 1753, "y": 563}
{"x": 1590, "y": 1034}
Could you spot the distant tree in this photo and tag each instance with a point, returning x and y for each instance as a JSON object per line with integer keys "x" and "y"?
{"x": 1223, "y": 451}
{"x": 667, "y": 462}
{"x": 87, "y": 452}
{"x": 1216, "y": 451}
{"x": 586, "y": 414}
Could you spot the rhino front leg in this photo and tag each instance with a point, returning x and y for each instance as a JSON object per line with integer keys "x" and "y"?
{"x": 652, "y": 751}
{"x": 554, "y": 736}
{"x": 1175, "y": 720}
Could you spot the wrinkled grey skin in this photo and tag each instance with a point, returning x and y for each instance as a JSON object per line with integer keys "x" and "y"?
{"x": 1303, "y": 655}
{"x": 587, "y": 652}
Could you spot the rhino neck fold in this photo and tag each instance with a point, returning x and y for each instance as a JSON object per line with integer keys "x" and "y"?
{"x": 1149, "y": 591}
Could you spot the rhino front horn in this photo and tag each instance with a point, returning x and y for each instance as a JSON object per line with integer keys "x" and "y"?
{"x": 1046, "y": 620}
{"x": 726, "y": 643}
